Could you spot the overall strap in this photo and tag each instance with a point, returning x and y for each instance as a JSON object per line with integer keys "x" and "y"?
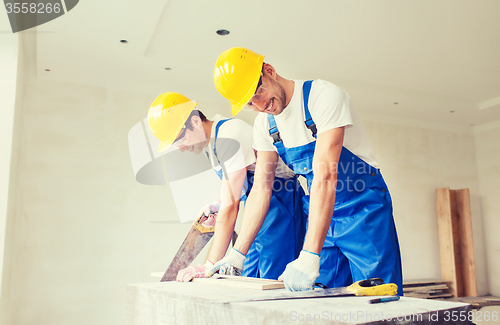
{"x": 275, "y": 134}
{"x": 306, "y": 89}
{"x": 219, "y": 124}
{"x": 222, "y": 172}
{"x": 243, "y": 196}
{"x": 273, "y": 128}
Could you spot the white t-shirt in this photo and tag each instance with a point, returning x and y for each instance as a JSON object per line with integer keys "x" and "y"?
{"x": 234, "y": 148}
{"x": 330, "y": 108}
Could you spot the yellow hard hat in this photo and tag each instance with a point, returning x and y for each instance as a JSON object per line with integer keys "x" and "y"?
{"x": 236, "y": 75}
{"x": 167, "y": 115}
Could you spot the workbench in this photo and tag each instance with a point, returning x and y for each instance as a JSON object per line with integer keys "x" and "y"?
{"x": 200, "y": 303}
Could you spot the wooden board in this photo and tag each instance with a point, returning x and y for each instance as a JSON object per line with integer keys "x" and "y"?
{"x": 422, "y": 282}
{"x": 426, "y": 288}
{"x": 432, "y": 295}
{"x": 448, "y": 230}
{"x": 456, "y": 244}
{"x": 478, "y": 302}
{"x": 468, "y": 267}
{"x": 242, "y": 282}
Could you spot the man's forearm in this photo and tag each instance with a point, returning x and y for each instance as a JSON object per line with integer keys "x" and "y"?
{"x": 256, "y": 209}
{"x": 224, "y": 228}
{"x": 321, "y": 207}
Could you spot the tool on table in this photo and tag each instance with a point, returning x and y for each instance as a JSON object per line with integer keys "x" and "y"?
{"x": 370, "y": 287}
{"x": 196, "y": 239}
{"x": 378, "y": 300}
{"x": 198, "y": 236}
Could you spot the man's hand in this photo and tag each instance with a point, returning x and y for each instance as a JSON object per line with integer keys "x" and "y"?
{"x": 232, "y": 264}
{"x": 301, "y": 274}
{"x": 195, "y": 271}
{"x": 210, "y": 211}
{"x": 211, "y": 208}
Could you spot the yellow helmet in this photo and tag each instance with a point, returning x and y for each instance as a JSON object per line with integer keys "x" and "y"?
{"x": 167, "y": 115}
{"x": 236, "y": 75}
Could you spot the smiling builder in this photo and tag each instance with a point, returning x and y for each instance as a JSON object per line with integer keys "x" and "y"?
{"x": 311, "y": 125}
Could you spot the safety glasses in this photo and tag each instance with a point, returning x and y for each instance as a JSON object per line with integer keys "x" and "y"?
{"x": 259, "y": 93}
{"x": 182, "y": 139}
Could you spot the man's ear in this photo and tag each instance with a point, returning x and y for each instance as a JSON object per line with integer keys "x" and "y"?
{"x": 269, "y": 70}
{"x": 195, "y": 120}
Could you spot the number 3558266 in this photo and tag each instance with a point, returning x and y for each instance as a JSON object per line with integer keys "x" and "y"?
{"x": 33, "y": 8}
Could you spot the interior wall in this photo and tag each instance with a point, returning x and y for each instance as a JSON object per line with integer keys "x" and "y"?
{"x": 83, "y": 228}
{"x": 416, "y": 159}
{"x": 488, "y": 158}
{"x": 9, "y": 55}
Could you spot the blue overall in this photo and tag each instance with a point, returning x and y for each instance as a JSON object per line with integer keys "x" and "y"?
{"x": 285, "y": 223}
{"x": 361, "y": 242}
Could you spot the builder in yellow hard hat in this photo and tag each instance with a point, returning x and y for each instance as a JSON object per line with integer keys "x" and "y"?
{"x": 227, "y": 143}
{"x": 313, "y": 128}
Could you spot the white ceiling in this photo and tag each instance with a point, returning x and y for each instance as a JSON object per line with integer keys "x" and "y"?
{"x": 430, "y": 56}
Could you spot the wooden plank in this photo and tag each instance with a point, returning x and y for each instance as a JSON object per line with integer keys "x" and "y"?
{"x": 478, "y": 302}
{"x": 243, "y": 282}
{"x": 428, "y": 296}
{"x": 468, "y": 266}
{"x": 422, "y": 282}
{"x": 445, "y": 201}
{"x": 444, "y": 295}
{"x": 245, "y": 278}
{"x": 426, "y": 288}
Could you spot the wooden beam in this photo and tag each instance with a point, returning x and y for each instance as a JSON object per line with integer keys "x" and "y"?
{"x": 468, "y": 266}
{"x": 448, "y": 229}
{"x": 242, "y": 282}
{"x": 456, "y": 245}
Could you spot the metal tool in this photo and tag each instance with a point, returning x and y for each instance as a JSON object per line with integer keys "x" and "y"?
{"x": 196, "y": 239}
{"x": 370, "y": 287}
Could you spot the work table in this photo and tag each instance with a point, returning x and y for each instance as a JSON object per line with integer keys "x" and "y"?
{"x": 200, "y": 303}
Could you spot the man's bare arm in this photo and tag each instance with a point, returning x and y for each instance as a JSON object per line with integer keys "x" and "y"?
{"x": 323, "y": 188}
{"x": 258, "y": 201}
{"x": 226, "y": 218}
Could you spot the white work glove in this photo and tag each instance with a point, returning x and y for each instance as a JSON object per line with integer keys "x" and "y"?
{"x": 211, "y": 208}
{"x": 232, "y": 264}
{"x": 195, "y": 271}
{"x": 301, "y": 274}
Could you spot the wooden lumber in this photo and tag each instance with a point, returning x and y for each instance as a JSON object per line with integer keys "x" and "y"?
{"x": 455, "y": 241}
{"x": 422, "y": 282}
{"x": 478, "y": 302}
{"x": 242, "y": 282}
{"x": 448, "y": 247}
{"x": 468, "y": 266}
{"x": 425, "y": 288}
{"x": 430, "y": 296}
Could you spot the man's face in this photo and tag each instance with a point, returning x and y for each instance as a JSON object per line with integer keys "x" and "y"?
{"x": 192, "y": 139}
{"x": 269, "y": 97}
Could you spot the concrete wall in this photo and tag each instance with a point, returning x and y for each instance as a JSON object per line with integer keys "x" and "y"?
{"x": 488, "y": 162}
{"x": 83, "y": 225}
{"x": 11, "y": 94}
{"x": 416, "y": 158}
{"x": 8, "y": 80}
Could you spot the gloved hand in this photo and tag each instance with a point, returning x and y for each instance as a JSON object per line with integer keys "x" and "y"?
{"x": 211, "y": 208}
{"x": 232, "y": 264}
{"x": 301, "y": 274}
{"x": 195, "y": 271}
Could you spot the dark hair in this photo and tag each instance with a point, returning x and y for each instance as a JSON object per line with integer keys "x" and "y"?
{"x": 195, "y": 112}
